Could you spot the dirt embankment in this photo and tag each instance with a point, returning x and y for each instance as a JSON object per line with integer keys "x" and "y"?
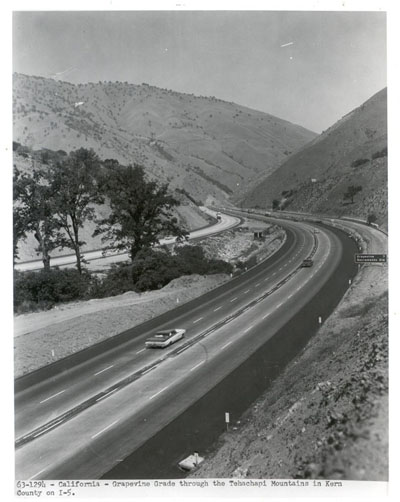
{"x": 326, "y": 416}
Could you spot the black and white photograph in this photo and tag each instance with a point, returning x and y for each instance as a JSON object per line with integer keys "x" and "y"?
{"x": 200, "y": 250}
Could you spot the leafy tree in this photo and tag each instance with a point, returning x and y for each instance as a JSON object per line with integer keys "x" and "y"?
{"x": 352, "y": 190}
{"x": 372, "y": 218}
{"x": 33, "y": 212}
{"x": 153, "y": 269}
{"x": 19, "y": 230}
{"x": 275, "y": 204}
{"x": 74, "y": 180}
{"x": 141, "y": 210}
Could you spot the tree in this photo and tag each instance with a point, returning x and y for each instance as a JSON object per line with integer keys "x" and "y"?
{"x": 74, "y": 180}
{"x": 141, "y": 210}
{"x": 19, "y": 230}
{"x": 351, "y": 192}
{"x": 275, "y": 204}
{"x": 372, "y": 218}
{"x": 33, "y": 212}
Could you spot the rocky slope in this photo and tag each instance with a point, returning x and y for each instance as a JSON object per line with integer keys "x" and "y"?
{"x": 351, "y": 152}
{"x": 206, "y": 146}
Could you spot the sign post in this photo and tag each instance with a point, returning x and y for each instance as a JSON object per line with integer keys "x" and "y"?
{"x": 227, "y": 420}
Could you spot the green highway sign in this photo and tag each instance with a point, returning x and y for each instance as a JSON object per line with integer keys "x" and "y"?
{"x": 370, "y": 258}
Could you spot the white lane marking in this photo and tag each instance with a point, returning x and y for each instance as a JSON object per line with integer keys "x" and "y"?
{"x": 291, "y": 294}
{"x": 105, "y": 428}
{"x": 246, "y": 291}
{"x": 257, "y": 284}
{"x": 217, "y": 309}
{"x": 139, "y": 351}
{"x": 37, "y": 474}
{"x": 51, "y": 397}
{"x": 233, "y": 299}
{"x": 248, "y": 329}
{"x": 197, "y": 320}
{"x": 105, "y": 395}
{"x": 105, "y": 369}
{"x": 222, "y": 348}
{"x": 159, "y": 392}
{"x": 197, "y": 365}
{"x": 279, "y": 304}
{"x": 266, "y": 279}
{"x": 266, "y": 315}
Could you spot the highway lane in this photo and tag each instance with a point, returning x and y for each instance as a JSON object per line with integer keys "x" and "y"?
{"x": 97, "y": 257}
{"x": 50, "y": 398}
{"x": 109, "y": 422}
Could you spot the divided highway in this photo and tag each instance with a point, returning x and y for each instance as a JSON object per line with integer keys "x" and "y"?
{"x": 79, "y": 423}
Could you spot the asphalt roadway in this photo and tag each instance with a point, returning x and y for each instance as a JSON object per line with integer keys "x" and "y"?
{"x": 85, "y": 421}
{"x": 98, "y": 258}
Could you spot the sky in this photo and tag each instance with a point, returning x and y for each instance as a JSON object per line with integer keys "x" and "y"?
{"x": 310, "y": 68}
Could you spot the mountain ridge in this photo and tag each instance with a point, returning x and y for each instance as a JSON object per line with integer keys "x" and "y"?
{"x": 209, "y": 147}
{"x": 353, "y": 151}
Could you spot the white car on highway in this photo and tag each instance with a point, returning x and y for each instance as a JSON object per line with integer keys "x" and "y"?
{"x": 165, "y": 338}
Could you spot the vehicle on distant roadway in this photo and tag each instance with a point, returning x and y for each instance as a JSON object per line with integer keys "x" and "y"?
{"x": 219, "y": 216}
{"x": 165, "y": 338}
{"x": 307, "y": 263}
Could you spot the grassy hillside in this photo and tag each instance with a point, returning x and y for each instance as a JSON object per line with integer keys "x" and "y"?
{"x": 351, "y": 152}
{"x": 206, "y": 146}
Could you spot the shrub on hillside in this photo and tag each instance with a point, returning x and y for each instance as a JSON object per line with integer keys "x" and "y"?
{"x": 359, "y": 162}
{"x": 192, "y": 260}
{"x": 380, "y": 153}
{"x": 117, "y": 280}
{"x": 153, "y": 269}
{"x": 46, "y": 288}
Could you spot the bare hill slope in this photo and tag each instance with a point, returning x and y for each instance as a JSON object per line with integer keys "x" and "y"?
{"x": 351, "y": 152}
{"x": 208, "y": 147}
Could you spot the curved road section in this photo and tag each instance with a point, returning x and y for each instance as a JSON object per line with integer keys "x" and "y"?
{"x": 80, "y": 423}
{"x": 100, "y": 258}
